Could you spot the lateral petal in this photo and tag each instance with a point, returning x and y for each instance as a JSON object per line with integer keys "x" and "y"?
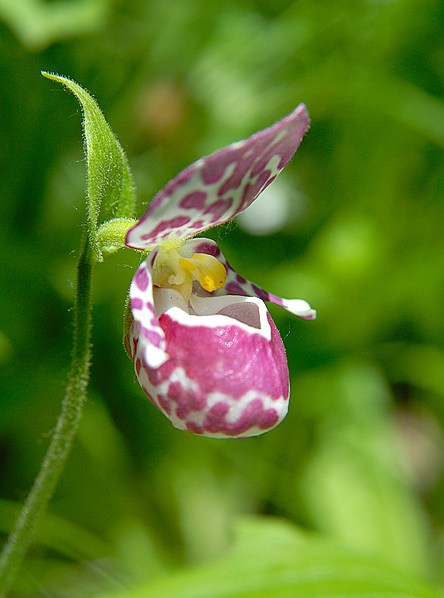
{"x": 238, "y": 285}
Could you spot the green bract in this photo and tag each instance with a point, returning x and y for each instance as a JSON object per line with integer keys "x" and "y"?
{"x": 110, "y": 188}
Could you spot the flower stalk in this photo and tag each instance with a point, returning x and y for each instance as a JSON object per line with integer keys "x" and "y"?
{"x": 64, "y": 433}
{"x": 109, "y": 212}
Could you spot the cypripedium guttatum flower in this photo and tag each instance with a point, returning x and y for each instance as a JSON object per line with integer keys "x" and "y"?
{"x": 205, "y": 349}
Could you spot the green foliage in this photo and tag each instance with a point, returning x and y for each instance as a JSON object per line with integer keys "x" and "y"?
{"x": 358, "y": 463}
{"x": 269, "y": 559}
{"x": 38, "y": 23}
{"x": 352, "y": 484}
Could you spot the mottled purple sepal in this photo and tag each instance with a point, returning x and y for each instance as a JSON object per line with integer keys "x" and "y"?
{"x": 216, "y": 188}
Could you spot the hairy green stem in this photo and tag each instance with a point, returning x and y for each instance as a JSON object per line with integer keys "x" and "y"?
{"x": 67, "y": 424}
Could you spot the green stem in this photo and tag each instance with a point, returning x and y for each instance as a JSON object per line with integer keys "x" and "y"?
{"x": 66, "y": 428}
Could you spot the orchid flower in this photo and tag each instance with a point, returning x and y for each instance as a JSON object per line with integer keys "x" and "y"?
{"x": 204, "y": 347}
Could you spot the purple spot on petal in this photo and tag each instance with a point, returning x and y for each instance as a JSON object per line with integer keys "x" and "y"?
{"x": 242, "y": 168}
{"x": 166, "y": 225}
{"x": 186, "y": 400}
{"x": 260, "y": 293}
{"x": 275, "y": 299}
{"x": 215, "y": 419}
{"x": 268, "y": 419}
{"x": 151, "y": 336}
{"x": 247, "y": 420}
{"x": 233, "y": 288}
{"x": 209, "y": 248}
{"x": 215, "y": 166}
{"x": 197, "y": 224}
{"x": 194, "y": 200}
{"x": 136, "y": 303}
{"x": 141, "y": 279}
{"x": 254, "y": 189}
{"x": 270, "y": 180}
{"x": 194, "y": 428}
{"x": 218, "y": 208}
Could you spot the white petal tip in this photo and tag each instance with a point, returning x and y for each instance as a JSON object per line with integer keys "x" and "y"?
{"x": 300, "y": 308}
{"x": 155, "y": 357}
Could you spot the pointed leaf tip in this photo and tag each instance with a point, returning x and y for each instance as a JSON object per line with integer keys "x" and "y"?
{"x": 110, "y": 189}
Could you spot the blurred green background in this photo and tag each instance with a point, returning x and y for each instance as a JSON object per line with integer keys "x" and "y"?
{"x": 355, "y": 225}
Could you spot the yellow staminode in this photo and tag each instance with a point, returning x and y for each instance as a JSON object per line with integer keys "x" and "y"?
{"x": 206, "y": 269}
{"x": 172, "y": 270}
